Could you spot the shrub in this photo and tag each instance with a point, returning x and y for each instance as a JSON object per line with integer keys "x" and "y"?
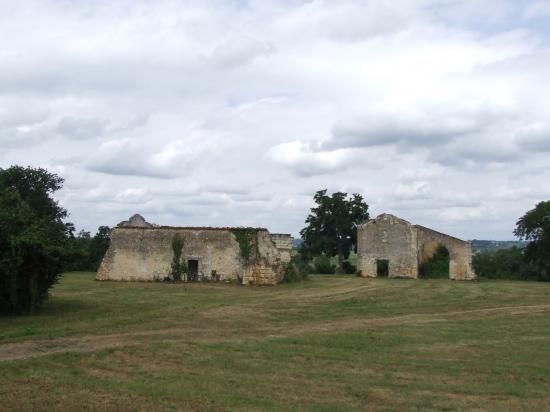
{"x": 505, "y": 264}
{"x": 323, "y": 265}
{"x": 349, "y": 268}
{"x": 437, "y": 267}
{"x": 296, "y": 271}
{"x": 32, "y": 236}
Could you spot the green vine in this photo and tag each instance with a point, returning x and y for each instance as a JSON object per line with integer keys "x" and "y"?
{"x": 176, "y": 267}
{"x": 245, "y": 239}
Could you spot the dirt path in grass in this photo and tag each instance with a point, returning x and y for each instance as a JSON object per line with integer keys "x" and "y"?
{"x": 201, "y": 331}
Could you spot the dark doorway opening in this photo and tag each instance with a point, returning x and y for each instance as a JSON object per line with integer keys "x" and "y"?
{"x": 382, "y": 268}
{"x": 192, "y": 270}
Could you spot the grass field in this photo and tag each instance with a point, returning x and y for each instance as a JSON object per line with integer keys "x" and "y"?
{"x": 335, "y": 343}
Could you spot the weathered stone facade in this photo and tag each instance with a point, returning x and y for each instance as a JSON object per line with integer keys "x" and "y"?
{"x": 406, "y": 246}
{"x": 283, "y": 242}
{"x": 144, "y": 253}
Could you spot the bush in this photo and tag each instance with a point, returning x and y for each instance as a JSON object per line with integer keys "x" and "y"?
{"x": 32, "y": 237}
{"x": 505, "y": 264}
{"x": 437, "y": 267}
{"x": 323, "y": 265}
{"x": 349, "y": 268}
{"x": 296, "y": 271}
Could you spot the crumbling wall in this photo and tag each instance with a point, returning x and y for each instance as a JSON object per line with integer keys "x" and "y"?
{"x": 145, "y": 254}
{"x": 406, "y": 246}
{"x": 387, "y": 238}
{"x": 460, "y": 252}
{"x": 283, "y": 242}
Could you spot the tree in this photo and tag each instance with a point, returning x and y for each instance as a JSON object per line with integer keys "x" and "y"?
{"x": 534, "y": 226}
{"x": 32, "y": 236}
{"x": 99, "y": 245}
{"x": 332, "y": 225}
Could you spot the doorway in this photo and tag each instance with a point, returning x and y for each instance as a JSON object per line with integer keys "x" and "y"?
{"x": 192, "y": 270}
{"x": 382, "y": 268}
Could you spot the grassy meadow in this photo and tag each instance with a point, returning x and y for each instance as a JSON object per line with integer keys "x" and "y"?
{"x": 334, "y": 343}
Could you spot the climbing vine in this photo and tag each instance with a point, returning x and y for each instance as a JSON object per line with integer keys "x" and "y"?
{"x": 245, "y": 239}
{"x": 176, "y": 267}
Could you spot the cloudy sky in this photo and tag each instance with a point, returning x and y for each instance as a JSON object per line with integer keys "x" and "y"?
{"x": 234, "y": 112}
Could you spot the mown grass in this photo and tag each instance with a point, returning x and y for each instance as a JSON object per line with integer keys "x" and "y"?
{"x": 335, "y": 343}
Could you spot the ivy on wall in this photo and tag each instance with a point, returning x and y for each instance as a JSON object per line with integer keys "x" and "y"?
{"x": 245, "y": 238}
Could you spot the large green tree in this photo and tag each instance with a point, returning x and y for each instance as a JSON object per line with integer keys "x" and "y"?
{"x": 332, "y": 225}
{"x": 534, "y": 226}
{"x": 32, "y": 236}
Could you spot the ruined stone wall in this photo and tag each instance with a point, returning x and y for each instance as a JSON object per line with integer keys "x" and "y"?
{"x": 146, "y": 254}
{"x": 460, "y": 252}
{"x": 390, "y": 238}
{"x": 406, "y": 246}
{"x": 283, "y": 242}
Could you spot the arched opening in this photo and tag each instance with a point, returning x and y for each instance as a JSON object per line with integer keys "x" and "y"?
{"x": 434, "y": 261}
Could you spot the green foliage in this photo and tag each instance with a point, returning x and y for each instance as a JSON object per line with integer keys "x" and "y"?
{"x": 296, "y": 271}
{"x": 323, "y": 265}
{"x": 349, "y": 268}
{"x": 176, "y": 267}
{"x": 505, "y": 264}
{"x": 245, "y": 238}
{"x": 32, "y": 236}
{"x": 84, "y": 252}
{"x": 437, "y": 267}
{"x": 332, "y": 225}
{"x": 534, "y": 226}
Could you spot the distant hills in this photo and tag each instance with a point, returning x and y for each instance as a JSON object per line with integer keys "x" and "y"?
{"x": 477, "y": 244}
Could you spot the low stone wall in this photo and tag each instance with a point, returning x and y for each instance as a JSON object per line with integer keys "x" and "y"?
{"x": 145, "y": 254}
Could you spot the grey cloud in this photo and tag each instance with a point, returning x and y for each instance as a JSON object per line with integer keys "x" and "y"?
{"x": 81, "y": 128}
{"x": 129, "y": 157}
{"x": 377, "y": 130}
{"x": 535, "y": 138}
{"x": 240, "y": 50}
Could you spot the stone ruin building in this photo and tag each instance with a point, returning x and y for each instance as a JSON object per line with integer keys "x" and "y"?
{"x": 141, "y": 251}
{"x": 393, "y": 243}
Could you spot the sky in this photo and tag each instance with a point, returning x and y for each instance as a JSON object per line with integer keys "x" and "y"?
{"x": 234, "y": 113}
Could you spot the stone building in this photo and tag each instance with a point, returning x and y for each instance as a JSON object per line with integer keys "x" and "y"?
{"x": 393, "y": 243}
{"x": 140, "y": 251}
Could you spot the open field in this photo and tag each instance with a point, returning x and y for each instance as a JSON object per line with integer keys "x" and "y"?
{"x": 333, "y": 343}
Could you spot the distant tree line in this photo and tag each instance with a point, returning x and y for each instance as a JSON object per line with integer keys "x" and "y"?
{"x": 84, "y": 252}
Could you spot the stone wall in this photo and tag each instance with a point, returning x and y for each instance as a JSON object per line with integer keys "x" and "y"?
{"x": 460, "y": 252}
{"x": 284, "y": 245}
{"x": 145, "y": 254}
{"x": 389, "y": 238}
{"x": 406, "y": 246}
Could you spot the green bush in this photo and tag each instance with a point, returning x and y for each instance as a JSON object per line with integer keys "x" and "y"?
{"x": 505, "y": 264}
{"x": 437, "y": 267}
{"x": 296, "y": 271}
{"x": 349, "y": 268}
{"x": 323, "y": 265}
{"x": 32, "y": 237}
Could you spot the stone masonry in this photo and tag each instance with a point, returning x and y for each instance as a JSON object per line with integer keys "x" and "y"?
{"x": 406, "y": 246}
{"x": 144, "y": 253}
{"x": 283, "y": 242}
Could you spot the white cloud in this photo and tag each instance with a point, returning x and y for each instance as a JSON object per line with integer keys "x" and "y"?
{"x": 300, "y": 158}
{"x": 224, "y": 112}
